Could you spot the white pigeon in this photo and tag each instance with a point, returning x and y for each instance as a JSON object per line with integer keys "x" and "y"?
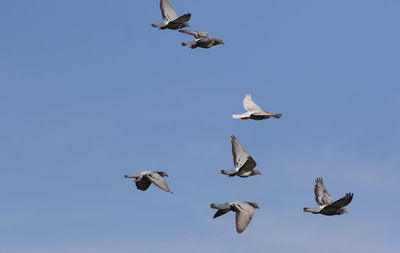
{"x": 254, "y": 111}
{"x": 326, "y": 206}
{"x": 244, "y": 164}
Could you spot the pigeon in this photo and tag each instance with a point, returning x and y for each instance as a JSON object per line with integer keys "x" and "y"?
{"x": 244, "y": 164}
{"x": 254, "y": 111}
{"x": 244, "y": 212}
{"x": 171, "y": 21}
{"x": 326, "y": 206}
{"x": 202, "y": 39}
{"x": 144, "y": 179}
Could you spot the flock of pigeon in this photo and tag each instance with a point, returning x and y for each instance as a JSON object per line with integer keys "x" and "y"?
{"x": 243, "y": 163}
{"x": 172, "y": 22}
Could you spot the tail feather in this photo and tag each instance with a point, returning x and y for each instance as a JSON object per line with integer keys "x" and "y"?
{"x": 245, "y": 115}
{"x": 312, "y": 210}
{"x": 277, "y": 116}
{"x": 230, "y": 173}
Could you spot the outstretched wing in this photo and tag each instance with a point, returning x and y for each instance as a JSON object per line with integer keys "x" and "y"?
{"x": 249, "y": 165}
{"x": 321, "y": 194}
{"x": 239, "y": 154}
{"x": 249, "y": 105}
{"x": 196, "y": 34}
{"x": 343, "y": 201}
{"x": 158, "y": 180}
{"x": 244, "y": 214}
{"x": 143, "y": 184}
{"x": 167, "y": 11}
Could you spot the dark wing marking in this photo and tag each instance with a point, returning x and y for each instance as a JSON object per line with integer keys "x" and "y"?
{"x": 342, "y": 202}
{"x": 143, "y": 184}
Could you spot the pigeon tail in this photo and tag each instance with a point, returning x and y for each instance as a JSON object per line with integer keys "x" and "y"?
{"x": 230, "y": 173}
{"x": 277, "y": 116}
{"x": 245, "y": 115}
{"x": 311, "y": 210}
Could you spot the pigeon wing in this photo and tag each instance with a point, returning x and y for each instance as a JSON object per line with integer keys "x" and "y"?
{"x": 249, "y": 105}
{"x": 143, "y": 184}
{"x": 244, "y": 214}
{"x": 182, "y": 19}
{"x": 321, "y": 194}
{"x": 248, "y": 166}
{"x": 220, "y": 206}
{"x": 158, "y": 180}
{"x": 343, "y": 201}
{"x": 167, "y": 11}
{"x": 239, "y": 154}
{"x": 196, "y": 34}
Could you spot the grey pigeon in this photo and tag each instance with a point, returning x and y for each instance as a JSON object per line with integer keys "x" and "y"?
{"x": 202, "y": 39}
{"x": 254, "y": 111}
{"x": 244, "y": 212}
{"x": 144, "y": 179}
{"x": 326, "y": 206}
{"x": 244, "y": 164}
{"x": 171, "y": 21}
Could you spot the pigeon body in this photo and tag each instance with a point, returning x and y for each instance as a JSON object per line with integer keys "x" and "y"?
{"x": 244, "y": 212}
{"x": 254, "y": 111}
{"x": 202, "y": 39}
{"x": 326, "y": 205}
{"x": 144, "y": 179}
{"x": 171, "y": 20}
{"x": 244, "y": 164}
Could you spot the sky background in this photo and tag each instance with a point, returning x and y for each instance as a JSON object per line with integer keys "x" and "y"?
{"x": 89, "y": 91}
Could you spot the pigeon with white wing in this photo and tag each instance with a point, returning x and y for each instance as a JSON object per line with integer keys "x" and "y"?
{"x": 254, "y": 111}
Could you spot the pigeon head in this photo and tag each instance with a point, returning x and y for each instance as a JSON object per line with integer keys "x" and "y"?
{"x": 255, "y": 205}
{"x": 186, "y": 24}
{"x": 342, "y": 211}
{"x": 256, "y": 172}
{"x": 163, "y": 174}
{"x": 218, "y": 41}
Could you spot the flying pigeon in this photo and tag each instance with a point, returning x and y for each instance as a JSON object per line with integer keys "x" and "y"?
{"x": 144, "y": 179}
{"x": 244, "y": 164}
{"x": 244, "y": 212}
{"x": 254, "y": 111}
{"x": 171, "y": 21}
{"x": 326, "y": 206}
{"x": 202, "y": 39}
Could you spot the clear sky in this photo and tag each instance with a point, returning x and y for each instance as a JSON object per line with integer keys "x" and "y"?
{"x": 89, "y": 91}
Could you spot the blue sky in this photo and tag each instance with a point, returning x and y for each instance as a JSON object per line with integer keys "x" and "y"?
{"x": 89, "y": 91}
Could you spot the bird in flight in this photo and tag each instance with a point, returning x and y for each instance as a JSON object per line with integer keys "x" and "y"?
{"x": 171, "y": 20}
{"x": 254, "y": 111}
{"x": 326, "y": 206}
{"x": 202, "y": 39}
{"x": 244, "y": 164}
{"x": 144, "y": 179}
{"x": 244, "y": 212}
